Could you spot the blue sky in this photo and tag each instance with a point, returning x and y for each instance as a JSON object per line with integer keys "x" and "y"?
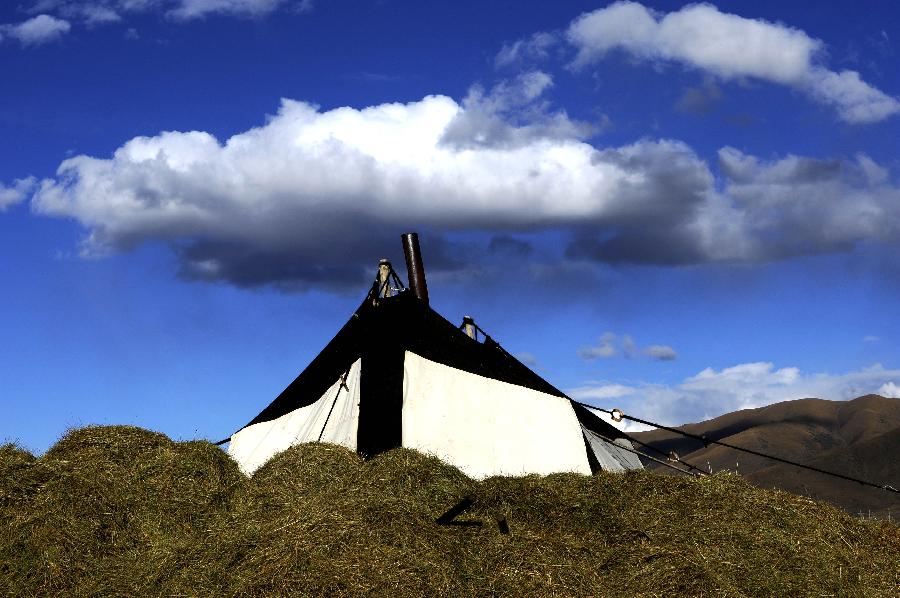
{"x": 678, "y": 210}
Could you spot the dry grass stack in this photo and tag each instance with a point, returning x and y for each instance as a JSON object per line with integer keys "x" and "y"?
{"x": 120, "y": 511}
{"x": 115, "y": 511}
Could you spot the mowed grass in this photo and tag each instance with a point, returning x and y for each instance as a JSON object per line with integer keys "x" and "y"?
{"x": 121, "y": 511}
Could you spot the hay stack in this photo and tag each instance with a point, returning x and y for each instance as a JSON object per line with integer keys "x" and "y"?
{"x": 119, "y": 511}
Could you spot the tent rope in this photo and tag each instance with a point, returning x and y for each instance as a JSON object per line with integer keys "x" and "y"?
{"x": 618, "y": 415}
{"x": 697, "y": 474}
{"x": 377, "y": 291}
{"x": 670, "y": 456}
{"x": 343, "y": 384}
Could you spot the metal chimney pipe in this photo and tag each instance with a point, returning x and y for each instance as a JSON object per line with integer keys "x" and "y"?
{"x": 414, "y": 268}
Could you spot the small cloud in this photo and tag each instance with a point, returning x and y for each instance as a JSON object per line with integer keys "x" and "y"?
{"x": 100, "y": 12}
{"x": 871, "y": 339}
{"x": 194, "y": 9}
{"x": 536, "y": 47}
{"x": 509, "y": 246}
{"x": 700, "y": 101}
{"x": 609, "y": 347}
{"x": 889, "y": 390}
{"x": 36, "y": 30}
{"x": 304, "y": 7}
{"x": 604, "y": 349}
{"x": 661, "y": 353}
{"x": 94, "y": 14}
{"x": 16, "y": 193}
{"x": 600, "y": 392}
{"x": 528, "y": 359}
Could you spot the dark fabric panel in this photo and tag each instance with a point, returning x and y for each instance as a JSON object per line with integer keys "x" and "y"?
{"x": 381, "y": 386}
{"x": 423, "y": 331}
{"x": 329, "y": 365}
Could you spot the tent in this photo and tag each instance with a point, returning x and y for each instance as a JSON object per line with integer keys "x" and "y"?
{"x": 400, "y": 375}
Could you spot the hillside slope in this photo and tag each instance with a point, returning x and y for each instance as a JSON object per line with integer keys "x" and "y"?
{"x": 858, "y": 438}
{"x": 118, "y": 511}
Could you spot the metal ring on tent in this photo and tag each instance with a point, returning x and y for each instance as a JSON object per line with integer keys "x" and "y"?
{"x": 616, "y": 415}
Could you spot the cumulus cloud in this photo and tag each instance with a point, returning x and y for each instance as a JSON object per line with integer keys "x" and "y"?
{"x": 727, "y": 46}
{"x": 511, "y": 114}
{"x": 36, "y": 30}
{"x": 310, "y": 196}
{"x": 711, "y": 392}
{"x": 15, "y": 193}
{"x": 796, "y": 205}
{"x": 261, "y": 206}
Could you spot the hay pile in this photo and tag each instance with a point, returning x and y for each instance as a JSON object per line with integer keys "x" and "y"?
{"x": 119, "y": 511}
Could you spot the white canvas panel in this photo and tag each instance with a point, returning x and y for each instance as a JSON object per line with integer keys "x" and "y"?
{"x": 487, "y": 427}
{"x": 611, "y": 455}
{"x": 256, "y": 444}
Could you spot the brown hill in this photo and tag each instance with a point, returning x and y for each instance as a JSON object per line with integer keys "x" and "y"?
{"x": 858, "y": 438}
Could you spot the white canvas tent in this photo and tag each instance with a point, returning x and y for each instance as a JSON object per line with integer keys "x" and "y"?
{"x": 398, "y": 374}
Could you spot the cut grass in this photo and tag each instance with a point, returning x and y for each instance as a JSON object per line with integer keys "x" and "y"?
{"x": 120, "y": 511}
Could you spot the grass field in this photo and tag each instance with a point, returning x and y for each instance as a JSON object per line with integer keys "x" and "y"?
{"x": 120, "y": 511}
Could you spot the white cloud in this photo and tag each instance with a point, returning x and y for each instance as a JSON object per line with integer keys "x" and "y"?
{"x": 727, "y": 46}
{"x": 94, "y": 12}
{"x": 871, "y": 339}
{"x": 889, "y": 390}
{"x": 261, "y": 203}
{"x": 14, "y": 194}
{"x": 191, "y": 9}
{"x": 796, "y": 205}
{"x": 258, "y": 207}
{"x": 511, "y": 114}
{"x": 36, "y": 30}
{"x": 711, "y": 392}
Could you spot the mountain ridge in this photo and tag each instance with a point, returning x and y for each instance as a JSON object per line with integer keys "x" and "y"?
{"x": 858, "y": 438}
